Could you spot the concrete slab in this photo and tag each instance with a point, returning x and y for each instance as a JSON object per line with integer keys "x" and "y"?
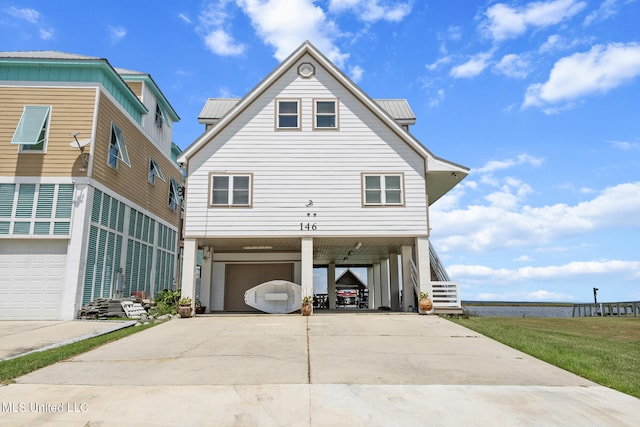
{"x": 327, "y": 369}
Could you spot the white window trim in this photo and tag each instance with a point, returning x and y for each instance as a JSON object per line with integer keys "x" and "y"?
{"x": 382, "y": 190}
{"x": 230, "y": 190}
{"x": 121, "y": 146}
{"x": 316, "y": 114}
{"x": 298, "y": 115}
{"x": 154, "y": 171}
{"x": 45, "y": 123}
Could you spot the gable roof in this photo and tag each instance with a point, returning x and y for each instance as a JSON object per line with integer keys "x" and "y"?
{"x": 444, "y": 174}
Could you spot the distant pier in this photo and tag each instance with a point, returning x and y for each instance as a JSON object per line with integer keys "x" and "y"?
{"x": 619, "y": 309}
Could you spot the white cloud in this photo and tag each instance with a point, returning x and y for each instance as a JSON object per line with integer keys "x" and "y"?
{"x": 356, "y": 73}
{"x": 116, "y": 33}
{"x": 521, "y": 159}
{"x": 441, "y": 61}
{"x": 505, "y": 22}
{"x": 512, "y": 65}
{"x": 504, "y": 222}
{"x": 27, "y": 14}
{"x": 221, "y": 43}
{"x": 597, "y": 71}
{"x": 474, "y": 66}
{"x": 285, "y": 25}
{"x": 185, "y": 18}
{"x": 607, "y": 9}
{"x": 436, "y": 99}
{"x": 572, "y": 269}
{"x": 372, "y": 10}
{"x": 46, "y": 33}
{"x": 625, "y": 145}
{"x": 213, "y": 22}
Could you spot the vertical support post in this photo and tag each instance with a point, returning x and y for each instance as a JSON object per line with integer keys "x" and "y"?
{"x": 371, "y": 286}
{"x": 407, "y": 286}
{"x": 377, "y": 285}
{"x": 384, "y": 282}
{"x": 306, "y": 278}
{"x": 394, "y": 283}
{"x": 189, "y": 271}
{"x": 331, "y": 286}
{"x": 423, "y": 264}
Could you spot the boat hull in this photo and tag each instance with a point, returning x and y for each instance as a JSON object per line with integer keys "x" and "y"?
{"x": 275, "y": 297}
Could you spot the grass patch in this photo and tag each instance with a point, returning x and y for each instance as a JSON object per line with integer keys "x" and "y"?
{"x": 603, "y": 350}
{"x": 14, "y": 368}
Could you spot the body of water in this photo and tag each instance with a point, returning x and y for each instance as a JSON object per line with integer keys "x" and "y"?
{"x": 518, "y": 311}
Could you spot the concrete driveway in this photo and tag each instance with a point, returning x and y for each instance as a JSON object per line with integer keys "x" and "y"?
{"x": 334, "y": 369}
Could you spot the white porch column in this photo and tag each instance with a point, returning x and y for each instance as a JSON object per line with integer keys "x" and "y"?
{"x": 407, "y": 286}
{"x": 394, "y": 282}
{"x": 306, "y": 274}
{"x": 423, "y": 264}
{"x": 376, "y": 283}
{"x": 190, "y": 258}
{"x": 206, "y": 274}
{"x": 384, "y": 282}
{"x": 331, "y": 286}
{"x": 371, "y": 286}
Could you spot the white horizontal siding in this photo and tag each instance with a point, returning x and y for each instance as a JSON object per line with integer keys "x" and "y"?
{"x": 292, "y": 167}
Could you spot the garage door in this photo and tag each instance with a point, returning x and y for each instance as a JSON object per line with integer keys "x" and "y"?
{"x": 31, "y": 278}
{"x": 240, "y": 277}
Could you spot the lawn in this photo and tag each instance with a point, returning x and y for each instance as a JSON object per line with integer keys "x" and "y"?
{"x": 603, "y": 350}
{"x": 14, "y": 368}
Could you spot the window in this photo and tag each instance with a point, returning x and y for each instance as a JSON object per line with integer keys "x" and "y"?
{"x": 154, "y": 171}
{"x": 288, "y": 113}
{"x": 230, "y": 190}
{"x": 32, "y": 131}
{"x": 326, "y": 114}
{"x": 174, "y": 194}
{"x": 160, "y": 116}
{"x": 117, "y": 148}
{"x": 382, "y": 190}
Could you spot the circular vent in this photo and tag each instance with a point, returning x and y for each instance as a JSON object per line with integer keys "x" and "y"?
{"x": 306, "y": 70}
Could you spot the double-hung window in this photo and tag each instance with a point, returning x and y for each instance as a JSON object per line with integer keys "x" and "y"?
{"x": 33, "y": 128}
{"x": 326, "y": 114}
{"x": 287, "y": 114}
{"x": 160, "y": 116}
{"x": 383, "y": 190}
{"x": 154, "y": 171}
{"x": 230, "y": 190}
{"x": 117, "y": 148}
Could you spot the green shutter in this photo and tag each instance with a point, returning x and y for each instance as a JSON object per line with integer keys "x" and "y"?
{"x": 95, "y": 209}
{"x": 61, "y": 228}
{"x": 41, "y": 228}
{"x": 4, "y": 227}
{"x": 65, "y": 201}
{"x": 26, "y": 194}
{"x": 45, "y": 200}
{"x": 7, "y": 194}
{"x": 90, "y": 266}
{"x": 31, "y": 128}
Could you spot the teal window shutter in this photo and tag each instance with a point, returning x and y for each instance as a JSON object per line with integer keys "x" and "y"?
{"x": 45, "y": 200}
{"x": 26, "y": 195}
{"x": 65, "y": 201}
{"x": 7, "y": 195}
{"x": 32, "y": 127}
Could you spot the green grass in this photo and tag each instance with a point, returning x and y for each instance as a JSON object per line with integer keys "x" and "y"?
{"x": 603, "y": 350}
{"x": 14, "y": 368}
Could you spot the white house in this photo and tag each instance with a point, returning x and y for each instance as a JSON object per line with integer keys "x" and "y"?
{"x": 308, "y": 171}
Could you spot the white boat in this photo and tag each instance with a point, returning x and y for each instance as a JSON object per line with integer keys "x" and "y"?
{"x": 275, "y": 296}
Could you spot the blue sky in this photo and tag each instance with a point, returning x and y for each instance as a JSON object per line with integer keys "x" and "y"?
{"x": 540, "y": 99}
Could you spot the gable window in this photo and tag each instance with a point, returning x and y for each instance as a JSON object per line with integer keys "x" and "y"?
{"x": 33, "y": 128}
{"x": 326, "y": 114}
{"x": 117, "y": 148}
{"x": 288, "y": 114}
{"x": 230, "y": 190}
{"x": 383, "y": 190}
{"x": 160, "y": 116}
{"x": 174, "y": 194}
{"x": 154, "y": 171}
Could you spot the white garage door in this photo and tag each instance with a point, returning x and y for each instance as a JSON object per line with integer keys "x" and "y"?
{"x": 31, "y": 278}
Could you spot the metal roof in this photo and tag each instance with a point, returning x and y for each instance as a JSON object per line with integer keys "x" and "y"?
{"x": 399, "y": 109}
{"x": 215, "y": 108}
{"x": 45, "y": 54}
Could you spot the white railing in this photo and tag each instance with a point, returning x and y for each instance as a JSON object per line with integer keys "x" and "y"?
{"x": 437, "y": 266}
{"x": 445, "y": 294}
